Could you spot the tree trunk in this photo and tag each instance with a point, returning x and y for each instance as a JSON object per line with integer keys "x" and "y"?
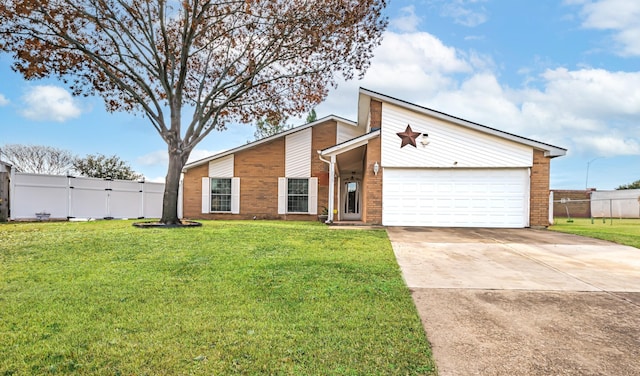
{"x": 177, "y": 161}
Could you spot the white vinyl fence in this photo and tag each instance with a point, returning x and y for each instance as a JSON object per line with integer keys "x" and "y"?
{"x": 79, "y": 197}
{"x": 624, "y": 203}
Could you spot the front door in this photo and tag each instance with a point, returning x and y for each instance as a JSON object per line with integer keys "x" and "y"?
{"x": 351, "y": 202}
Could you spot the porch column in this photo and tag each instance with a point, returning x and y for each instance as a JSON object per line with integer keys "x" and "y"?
{"x": 332, "y": 172}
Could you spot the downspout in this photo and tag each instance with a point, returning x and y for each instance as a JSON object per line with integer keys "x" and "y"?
{"x": 331, "y": 185}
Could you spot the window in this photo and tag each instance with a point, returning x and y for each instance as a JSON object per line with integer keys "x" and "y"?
{"x": 297, "y": 195}
{"x": 220, "y": 195}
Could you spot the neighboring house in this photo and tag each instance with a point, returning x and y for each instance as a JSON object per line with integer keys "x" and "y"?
{"x": 399, "y": 165}
{"x": 5, "y": 178}
{"x": 572, "y": 203}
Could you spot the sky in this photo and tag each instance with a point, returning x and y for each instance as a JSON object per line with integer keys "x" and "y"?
{"x": 563, "y": 72}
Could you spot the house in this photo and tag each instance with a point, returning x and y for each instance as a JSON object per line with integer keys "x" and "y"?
{"x": 400, "y": 164}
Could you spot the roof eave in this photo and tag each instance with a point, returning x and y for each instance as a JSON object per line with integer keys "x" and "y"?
{"x": 267, "y": 139}
{"x": 349, "y": 145}
{"x": 551, "y": 151}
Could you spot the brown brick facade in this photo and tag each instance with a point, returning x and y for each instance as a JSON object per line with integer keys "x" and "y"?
{"x": 375, "y": 114}
{"x": 372, "y": 185}
{"x": 259, "y": 168}
{"x": 539, "y": 190}
{"x": 324, "y": 136}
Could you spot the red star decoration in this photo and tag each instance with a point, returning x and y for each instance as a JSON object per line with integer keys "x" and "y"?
{"x": 408, "y": 137}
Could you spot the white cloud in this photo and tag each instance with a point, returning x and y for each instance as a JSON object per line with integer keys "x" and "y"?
{"x": 161, "y": 157}
{"x": 198, "y": 154}
{"x": 157, "y": 179}
{"x": 622, "y": 17}
{"x": 465, "y": 12}
{"x": 590, "y": 111}
{"x": 406, "y": 65}
{"x": 46, "y": 102}
{"x": 610, "y": 145}
{"x": 158, "y": 157}
{"x": 3, "y": 100}
{"x": 408, "y": 21}
{"x": 594, "y": 93}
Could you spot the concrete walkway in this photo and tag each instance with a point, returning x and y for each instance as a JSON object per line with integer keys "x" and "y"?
{"x": 523, "y": 302}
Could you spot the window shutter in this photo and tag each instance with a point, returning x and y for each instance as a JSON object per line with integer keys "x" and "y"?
{"x": 206, "y": 195}
{"x": 235, "y": 195}
{"x": 282, "y": 195}
{"x": 313, "y": 196}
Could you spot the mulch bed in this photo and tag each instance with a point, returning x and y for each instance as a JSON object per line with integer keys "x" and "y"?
{"x": 156, "y": 224}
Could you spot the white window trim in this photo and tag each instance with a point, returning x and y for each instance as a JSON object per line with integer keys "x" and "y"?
{"x": 312, "y": 195}
{"x": 206, "y": 195}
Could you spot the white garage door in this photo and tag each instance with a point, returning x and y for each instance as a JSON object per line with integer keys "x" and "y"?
{"x": 455, "y": 197}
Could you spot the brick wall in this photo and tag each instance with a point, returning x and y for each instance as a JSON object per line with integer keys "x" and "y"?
{"x": 324, "y": 136}
{"x": 578, "y": 208}
{"x": 539, "y": 190}
{"x": 192, "y": 191}
{"x": 259, "y": 168}
{"x": 375, "y": 114}
{"x": 372, "y": 185}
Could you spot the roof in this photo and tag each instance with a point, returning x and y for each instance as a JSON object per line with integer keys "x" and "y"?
{"x": 363, "y": 116}
{"x": 350, "y": 144}
{"x": 268, "y": 139}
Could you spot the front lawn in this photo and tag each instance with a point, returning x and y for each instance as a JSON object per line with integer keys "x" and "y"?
{"x": 622, "y": 231}
{"x": 234, "y": 297}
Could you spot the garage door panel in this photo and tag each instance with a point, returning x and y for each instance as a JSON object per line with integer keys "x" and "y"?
{"x": 456, "y": 197}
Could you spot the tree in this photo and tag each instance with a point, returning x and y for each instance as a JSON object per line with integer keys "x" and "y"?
{"x": 38, "y": 159}
{"x": 311, "y": 116}
{"x": 101, "y": 166}
{"x": 210, "y": 62}
{"x": 268, "y": 127}
{"x": 634, "y": 185}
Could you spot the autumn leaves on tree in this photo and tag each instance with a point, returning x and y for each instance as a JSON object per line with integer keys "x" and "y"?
{"x": 194, "y": 66}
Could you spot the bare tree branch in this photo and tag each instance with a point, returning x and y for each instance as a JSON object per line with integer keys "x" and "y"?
{"x": 38, "y": 159}
{"x": 218, "y": 62}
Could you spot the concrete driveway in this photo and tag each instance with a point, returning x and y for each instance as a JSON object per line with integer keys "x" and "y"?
{"x": 522, "y": 301}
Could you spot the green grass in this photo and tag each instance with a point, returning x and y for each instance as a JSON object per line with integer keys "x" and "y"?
{"x": 236, "y": 297}
{"x": 622, "y": 231}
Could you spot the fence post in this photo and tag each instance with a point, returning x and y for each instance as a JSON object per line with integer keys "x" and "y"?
{"x": 69, "y": 188}
{"x": 108, "y": 203}
{"x": 141, "y": 182}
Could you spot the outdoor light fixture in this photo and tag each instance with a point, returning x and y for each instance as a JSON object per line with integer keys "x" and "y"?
{"x": 376, "y": 168}
{"x": 425, "y": 140}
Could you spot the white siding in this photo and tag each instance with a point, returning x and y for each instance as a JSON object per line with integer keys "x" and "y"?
{"x": 450, "y": 145}
{"x": 298, "y": 154}
{"x": 346, "y": 132}
{"x": 456, "y": 197}
{"x": 221, "y": 168}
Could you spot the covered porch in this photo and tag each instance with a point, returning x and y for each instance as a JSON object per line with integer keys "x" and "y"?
{"x": 349, "y": 177}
